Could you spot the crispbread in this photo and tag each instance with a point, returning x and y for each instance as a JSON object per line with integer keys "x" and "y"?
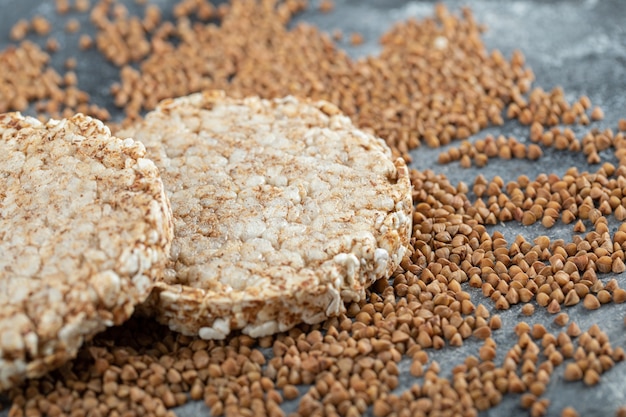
{"x": 85, "y": 228}
{"x": 282, "y": 210}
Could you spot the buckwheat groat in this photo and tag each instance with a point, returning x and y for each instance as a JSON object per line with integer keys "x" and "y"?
{"x": 85, "y": 229}
{"x": 282, "y": 211}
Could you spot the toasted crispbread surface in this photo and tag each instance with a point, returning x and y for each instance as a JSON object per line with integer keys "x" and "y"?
{"x": 85, "y": 229}
{"x": 283, "y": 210}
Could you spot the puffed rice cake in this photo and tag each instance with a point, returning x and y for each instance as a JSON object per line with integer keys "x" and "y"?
{"x": 85, "y": 229}
{"x": 283, "y": 211}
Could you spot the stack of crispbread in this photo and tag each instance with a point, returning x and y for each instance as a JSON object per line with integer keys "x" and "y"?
{"x": 281, "y": 211}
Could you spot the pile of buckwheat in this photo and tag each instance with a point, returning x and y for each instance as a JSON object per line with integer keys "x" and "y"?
{"x": 433, "y": 83}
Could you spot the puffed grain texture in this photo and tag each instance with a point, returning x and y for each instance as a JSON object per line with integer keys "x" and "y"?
{"x": 282, "y": 211}
{"x": 85, "y": 230}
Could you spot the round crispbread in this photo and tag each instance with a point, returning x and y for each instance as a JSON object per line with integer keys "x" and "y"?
{"x": 282, "y": 211}
{"x": 85, "y": 229}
